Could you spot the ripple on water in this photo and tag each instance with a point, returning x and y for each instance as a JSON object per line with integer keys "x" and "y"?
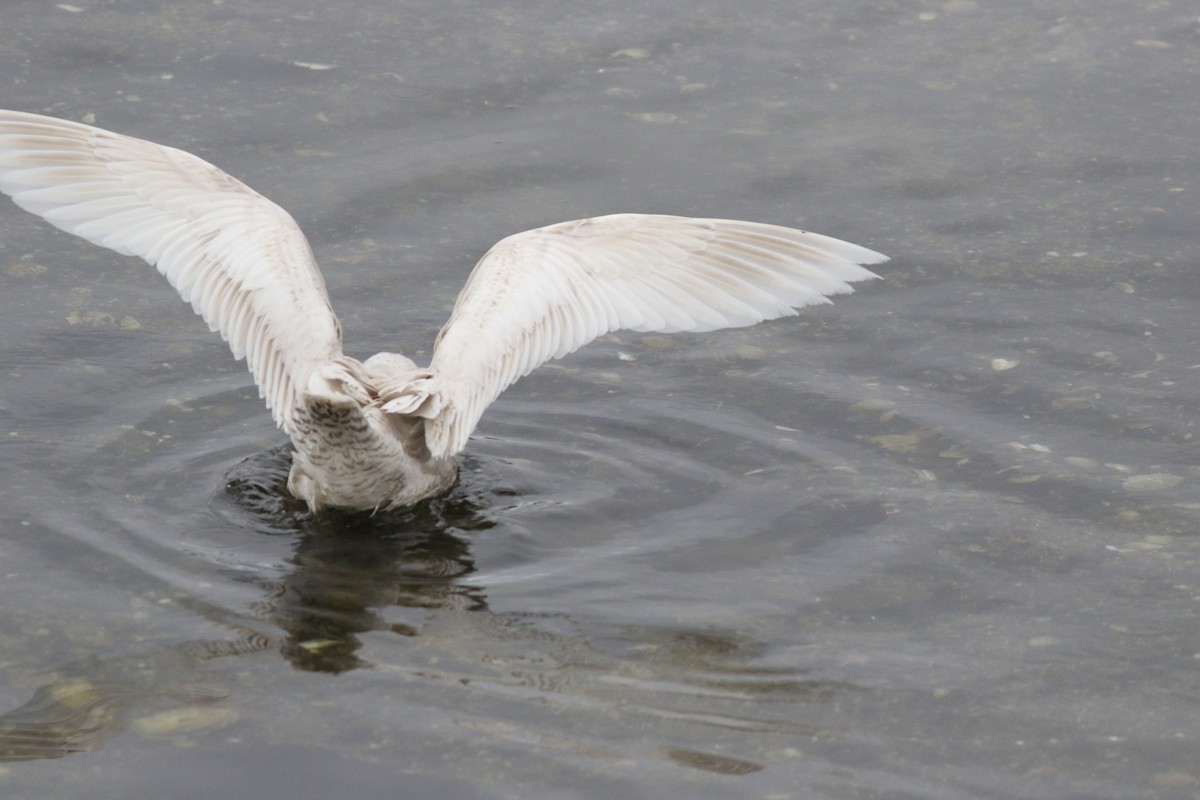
{"x": 636, "y": 518}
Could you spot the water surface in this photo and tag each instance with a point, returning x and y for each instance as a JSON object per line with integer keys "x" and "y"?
{"x": 937, "y": 540}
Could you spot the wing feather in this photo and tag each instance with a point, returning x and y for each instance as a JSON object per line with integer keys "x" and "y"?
{"x": 239, "y": 259}
{"x": 544, "y": 293}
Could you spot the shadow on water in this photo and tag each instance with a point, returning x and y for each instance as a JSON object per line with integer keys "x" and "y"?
{"x": 349, "y": 576}
{"x": 345, "y": 566}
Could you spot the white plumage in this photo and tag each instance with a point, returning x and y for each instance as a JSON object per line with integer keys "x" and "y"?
{"x": 385, "y": 432}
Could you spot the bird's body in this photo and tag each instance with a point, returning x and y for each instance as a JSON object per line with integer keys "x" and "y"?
{"x": 349, "y": 452}
{"x": 385, "y": 432}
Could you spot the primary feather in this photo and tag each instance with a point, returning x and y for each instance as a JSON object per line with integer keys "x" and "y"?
{"x": 385, "y": 432}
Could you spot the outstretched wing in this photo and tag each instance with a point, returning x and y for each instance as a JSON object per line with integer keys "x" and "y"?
{"x": 541, "y": 294}
{"x": 238, "y": 258}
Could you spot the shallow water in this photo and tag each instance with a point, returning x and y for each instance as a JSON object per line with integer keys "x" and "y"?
{"x": 935, "y": 541}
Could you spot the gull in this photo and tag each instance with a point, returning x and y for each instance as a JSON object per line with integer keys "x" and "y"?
{"x": 385, "y": 433}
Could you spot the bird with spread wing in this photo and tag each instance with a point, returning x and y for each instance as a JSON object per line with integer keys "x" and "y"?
{"x": 384, "y": 432}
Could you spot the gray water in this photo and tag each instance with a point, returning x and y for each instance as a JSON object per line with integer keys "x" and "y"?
{"x": 938, "y": 540}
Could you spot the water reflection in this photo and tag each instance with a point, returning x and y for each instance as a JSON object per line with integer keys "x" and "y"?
{"x": 347, "y": 566}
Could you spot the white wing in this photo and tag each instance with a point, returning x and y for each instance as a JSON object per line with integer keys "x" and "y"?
{"x": 238, "y": 258}
{"x": 544, "y": 293}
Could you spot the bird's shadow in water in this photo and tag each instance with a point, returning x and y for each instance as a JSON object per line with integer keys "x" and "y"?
{"x": 348, "y": 566}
